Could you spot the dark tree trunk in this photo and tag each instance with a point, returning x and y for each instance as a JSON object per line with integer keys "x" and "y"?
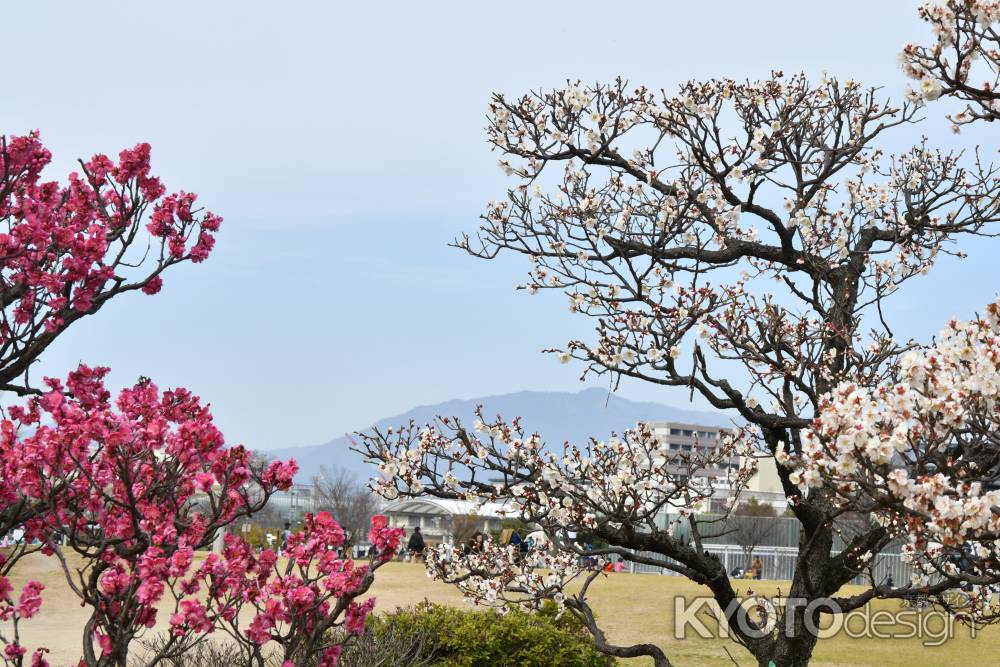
{"x": 790, "y": 651}
{"x": 793, "y": 640}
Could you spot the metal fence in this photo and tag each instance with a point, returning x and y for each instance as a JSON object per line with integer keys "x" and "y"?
{"x": 779, "y": 563}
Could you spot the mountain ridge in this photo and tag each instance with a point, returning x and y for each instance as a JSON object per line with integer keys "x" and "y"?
{"x": 557, "y": 416}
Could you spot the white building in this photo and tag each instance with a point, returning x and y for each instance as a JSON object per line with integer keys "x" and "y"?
{"x": 438, "y": 519}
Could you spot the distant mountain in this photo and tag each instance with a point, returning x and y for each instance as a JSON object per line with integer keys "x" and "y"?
{"x": 557, "y": 416}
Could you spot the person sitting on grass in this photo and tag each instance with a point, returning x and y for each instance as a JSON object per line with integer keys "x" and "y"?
{"x": 475, "y": 545}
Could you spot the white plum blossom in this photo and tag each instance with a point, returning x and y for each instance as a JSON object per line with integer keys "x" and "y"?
{"x": 923, "y": 450}
{"x": 930, "y": 88}
{"x": 964, "y": 61}
{"x": 658, "y": 216}
{"x": 628, "y": 479}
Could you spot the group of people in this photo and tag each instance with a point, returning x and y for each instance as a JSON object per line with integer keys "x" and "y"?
{"x": 415, "y": 546}
{"x": 476, "y": 544}
{"x": 755, "y": 571}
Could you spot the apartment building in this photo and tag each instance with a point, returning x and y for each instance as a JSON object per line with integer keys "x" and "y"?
{"x": 682, "y": 438}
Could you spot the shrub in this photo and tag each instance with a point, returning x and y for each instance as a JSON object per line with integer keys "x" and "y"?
{"x": 475, "y": 638}
{"x": 388, "y": 644}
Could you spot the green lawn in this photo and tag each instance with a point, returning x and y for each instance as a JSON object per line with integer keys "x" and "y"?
{"x": 640, "y": 607}
{"x": 630, "y": 607}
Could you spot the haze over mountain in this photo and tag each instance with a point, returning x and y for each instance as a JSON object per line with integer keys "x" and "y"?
{"x": 557, "y": 416}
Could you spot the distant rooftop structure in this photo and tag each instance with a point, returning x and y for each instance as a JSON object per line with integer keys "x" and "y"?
{"x": 294, "y": 503}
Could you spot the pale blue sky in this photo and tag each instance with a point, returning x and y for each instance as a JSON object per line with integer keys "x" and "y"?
{"x": 343, "y": 144}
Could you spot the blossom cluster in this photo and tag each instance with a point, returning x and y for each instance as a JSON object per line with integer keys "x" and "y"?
{"x": 650, "y": 200}
{"x": 627, "y": 482}
{"x": 66, "y": 249}
{"x": 920, "y": 450}
{"x": 500, "y": 576}
{"x": 12, "y": 612}
{"x": 692, "y": 197}
{"x": 627, "y": 478}
{"x": 384, "y": 539}
{"x": 295, "y": 606}
{"x": 133, "y": 485}
{"x": 964, "y": 60}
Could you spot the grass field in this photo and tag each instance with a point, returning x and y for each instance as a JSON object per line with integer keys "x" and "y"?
{"x": 630, "y": 608}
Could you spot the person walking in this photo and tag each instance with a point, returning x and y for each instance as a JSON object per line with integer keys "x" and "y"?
{"x": 415, "y": 546}
{"x": 285, "y": 534}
